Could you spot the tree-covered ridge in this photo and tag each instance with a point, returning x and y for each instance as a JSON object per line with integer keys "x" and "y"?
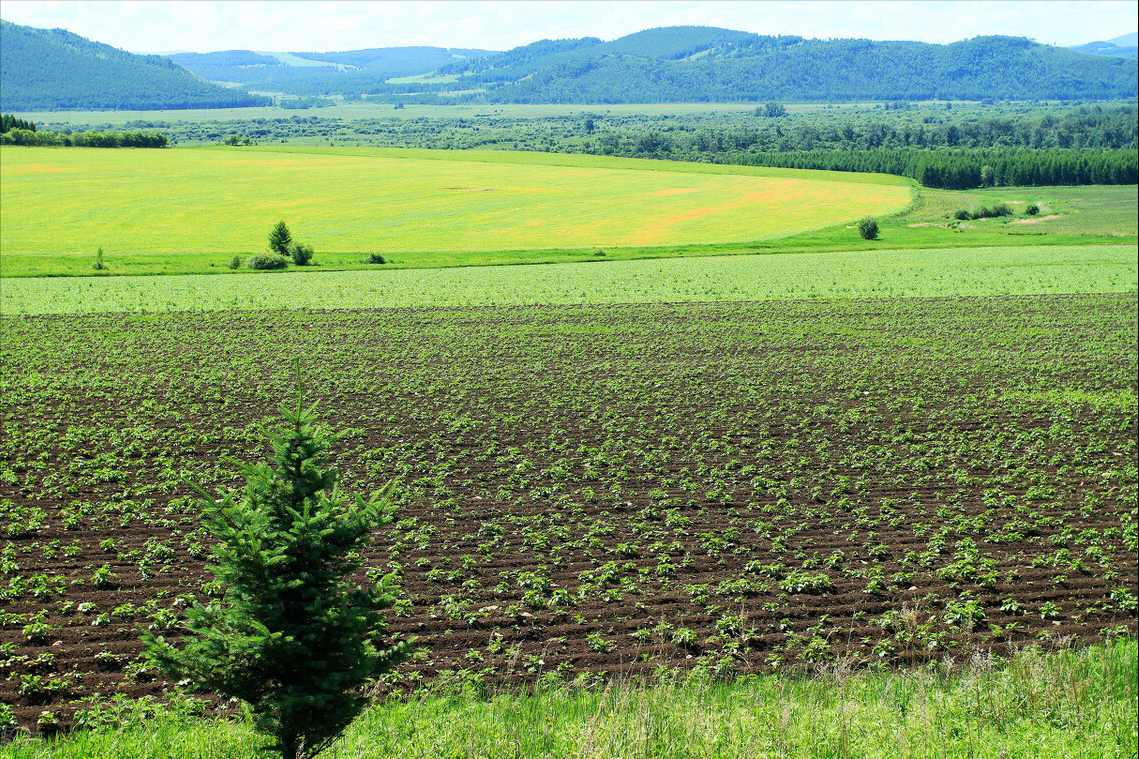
{"x": 404, "y": 60}
{"x": 223, "y": 58}
{"x": 697, "y": 64}
{"x": 46, "y": 70}
{"x": 1123, "y": 46}
{"x": 351, "y": 72}
{"x": 52, "y": 69}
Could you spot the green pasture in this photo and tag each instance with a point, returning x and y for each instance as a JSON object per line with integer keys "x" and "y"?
{"x": 223, "y": 200}
{"x": 437, "y": 208}
{"x": 861, "y": 274}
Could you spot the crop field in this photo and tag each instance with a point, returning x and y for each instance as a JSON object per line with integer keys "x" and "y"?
{"x": 586, "y": 489}
{"x": 223, "y": 200}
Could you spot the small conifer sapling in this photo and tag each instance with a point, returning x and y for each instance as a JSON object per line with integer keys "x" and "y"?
{"x": 280, "y": 238}
{"x": 290, "y": 636}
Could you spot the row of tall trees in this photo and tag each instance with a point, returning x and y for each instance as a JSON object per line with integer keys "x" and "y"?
{"x": 967, "y": 169}
{"x": 707, "y": 136}
{"x": 32, "y": 137}
{"x": 8, "y": 122}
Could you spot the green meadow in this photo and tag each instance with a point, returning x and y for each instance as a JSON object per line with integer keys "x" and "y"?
{"x": 434, "y": 208}
{"x": 223, "y": 200}
{"x": 950, "y": 272}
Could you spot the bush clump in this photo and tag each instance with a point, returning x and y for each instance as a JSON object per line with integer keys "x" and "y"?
{"x": 1032, "y": 209}
{"x": 235, "y": 262}
{"x": 984, "y": 212}
{"x": 376, "y": 258}
{"x": 264, "y": 261}
{"x": 868, "y": 228}
{"x": 300, "y": 253}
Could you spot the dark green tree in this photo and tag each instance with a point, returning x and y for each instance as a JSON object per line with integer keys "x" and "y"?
{"x": 301, "y": 253}
{"x": 868, "y": 228}
{"x": 280, "y": 239}
{"x": 290, "y": 636}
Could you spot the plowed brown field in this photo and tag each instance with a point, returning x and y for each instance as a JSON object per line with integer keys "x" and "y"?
{"x": 589, "y": 490}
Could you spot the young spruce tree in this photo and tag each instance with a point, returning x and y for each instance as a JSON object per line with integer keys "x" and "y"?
{"x": 280, "y": 239}
{"x": 290, "y": 637}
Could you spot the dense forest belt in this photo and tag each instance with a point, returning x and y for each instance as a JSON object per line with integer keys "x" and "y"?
{"x": 940, "y": 145}
{"x": 41, "y": 138}
{"x": 586, "y": 489}
{"x": 954, "y": 169}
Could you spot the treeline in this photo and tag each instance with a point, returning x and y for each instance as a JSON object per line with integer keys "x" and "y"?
{"x": 966, "y": 169}
{"x": 1021, "y": 144}
{"x": 8, "y": 122}
{"x": 1085, "y": 127}
{"x": 708, "y": 136}
{"x": 84, "y": 139}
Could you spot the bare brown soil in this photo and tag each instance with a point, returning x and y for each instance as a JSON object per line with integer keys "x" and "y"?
{"x": 587, "y": 491}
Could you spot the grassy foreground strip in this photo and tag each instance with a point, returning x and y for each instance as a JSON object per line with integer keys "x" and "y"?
{"x": 1036, "y": 704}
{"x": 886, "y": 274}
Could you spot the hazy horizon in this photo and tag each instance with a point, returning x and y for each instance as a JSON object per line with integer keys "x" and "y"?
{"x": 272, "y": 25}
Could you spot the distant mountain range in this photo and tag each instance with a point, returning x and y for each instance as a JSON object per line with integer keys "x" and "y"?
{"x": 1126, "y": 46}
{"x": 54, "y": 69}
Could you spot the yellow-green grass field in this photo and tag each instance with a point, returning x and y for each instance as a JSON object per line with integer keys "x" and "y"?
{"x": 68, "y": 202}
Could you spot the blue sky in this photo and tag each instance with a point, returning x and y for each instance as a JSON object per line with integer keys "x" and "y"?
{"x": 143, "y": 26}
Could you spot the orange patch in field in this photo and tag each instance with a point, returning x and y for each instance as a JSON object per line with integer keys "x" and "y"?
{"x": 695, "y": 213}
{"x": 675, "y": 191}
{"x": 39, "y": 168}
{"x": 656, "y": 231}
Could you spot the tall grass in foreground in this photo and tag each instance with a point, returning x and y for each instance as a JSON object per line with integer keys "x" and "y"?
{"x": 1066, "y": 704}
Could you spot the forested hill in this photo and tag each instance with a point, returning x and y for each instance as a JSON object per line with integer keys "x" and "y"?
{"x": 352, "y": 72}
{"x": 1124, "y": 46}
{"x": 693, "y": 64}
{"x": 52, "y": 69}
{"x": 56, "y": 70}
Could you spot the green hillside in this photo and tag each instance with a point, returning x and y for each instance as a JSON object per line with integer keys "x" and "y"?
{"x": 1123, "y": 46}
{"x": 53, "y": 69}
{"x": 348, "y": 72}
{"x": 696, "y": 64}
